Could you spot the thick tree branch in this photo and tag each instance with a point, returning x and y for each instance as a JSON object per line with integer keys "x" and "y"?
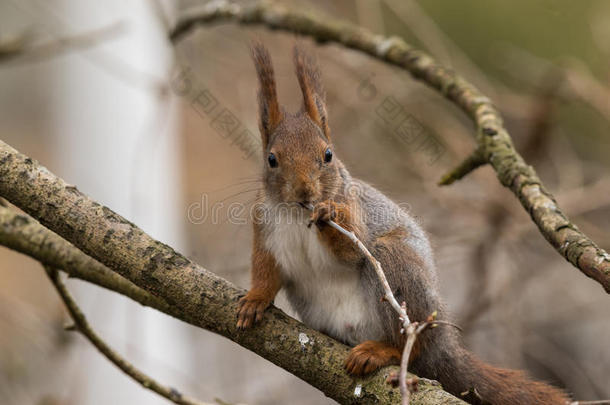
{"x": 82, "y": 325}
{"x": 492, "y": 141}
{"x": 24, "y": 234}
{"x": 202, "y": 298}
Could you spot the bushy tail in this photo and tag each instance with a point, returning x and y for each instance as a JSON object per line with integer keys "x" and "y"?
{"x": 465, "y": 376}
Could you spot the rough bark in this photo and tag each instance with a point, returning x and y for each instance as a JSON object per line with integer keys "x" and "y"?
{"x": 24, "y": 234}
{"x": 199, "y": 296}
{"x": 493, "y": 142}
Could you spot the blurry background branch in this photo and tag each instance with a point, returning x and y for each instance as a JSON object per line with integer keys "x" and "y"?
{"x": 199, "y": 296}
{"x": 82, "y": 325}
{"x": 493, "y": 142}
{"x": 22, "y": 49}
{"x": 577, "y": 81}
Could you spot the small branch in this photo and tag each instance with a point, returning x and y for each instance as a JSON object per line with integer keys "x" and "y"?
{"x": 409, "y": 385}
{"x": 388, "y": 295}
{"x": 411, "y": 329}
{"x": 579, "y": 82}
{"x": 82, "y": 325}
{"x": 390, "y": 298}
{"x": 472, "y": 162}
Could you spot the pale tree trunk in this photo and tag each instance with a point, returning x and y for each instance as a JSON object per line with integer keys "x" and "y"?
{"x": 117, "y": 136}
{"x": 109, "y": 127}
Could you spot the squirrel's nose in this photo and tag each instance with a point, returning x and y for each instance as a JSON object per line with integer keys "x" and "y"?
{"x": 304, "y": 188}
{"x": 304, "y": 195}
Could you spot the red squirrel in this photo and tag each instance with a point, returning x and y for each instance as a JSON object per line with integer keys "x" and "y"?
{"x": 328, "y": 281}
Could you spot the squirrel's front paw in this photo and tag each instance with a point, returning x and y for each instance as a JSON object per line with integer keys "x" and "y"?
{"x": 251, "y": 309}
{"x": 325, "y": 211}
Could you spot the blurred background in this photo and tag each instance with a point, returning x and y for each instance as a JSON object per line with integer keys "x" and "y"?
{"x": 167, "y": 136}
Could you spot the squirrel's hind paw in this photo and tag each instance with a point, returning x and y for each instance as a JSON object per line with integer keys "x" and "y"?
{"x": 369, "y": 356}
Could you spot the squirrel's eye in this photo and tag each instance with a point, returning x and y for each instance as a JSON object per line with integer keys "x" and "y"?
{"x": 272, "y": 160}
{"x": 328, "y": 155}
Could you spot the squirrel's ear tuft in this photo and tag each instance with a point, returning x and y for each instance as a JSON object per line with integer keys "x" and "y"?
{"x": 314, "y": 97}
{"x": 270, "y": 114}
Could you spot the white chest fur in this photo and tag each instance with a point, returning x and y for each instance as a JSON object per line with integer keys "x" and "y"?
{"x": 326, "y": 293}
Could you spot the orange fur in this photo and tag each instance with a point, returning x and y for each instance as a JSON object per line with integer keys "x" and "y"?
{"x": 499, "y": 386}
{"x": 266, "y": 282}
{"x": 314, "y": 96}
{"x": 370, "y": 355}
{"x": 271, "y": 114}
{"x": 342, "y": 214}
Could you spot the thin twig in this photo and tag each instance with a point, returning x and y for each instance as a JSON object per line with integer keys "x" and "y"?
{"x": 472, "y": 162}
{"x": 406, "y": 325}
{"x": 411, "y": 329}
{"x": 388, "y": 295}
{"x": 81, "y": 325}
{"x": 408, "y": 385}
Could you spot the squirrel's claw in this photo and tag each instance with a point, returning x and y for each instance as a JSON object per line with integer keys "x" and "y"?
{"x": 369, "y": 356}
{"x": 250, "y": 311}
{"x": 322, "y": 213}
